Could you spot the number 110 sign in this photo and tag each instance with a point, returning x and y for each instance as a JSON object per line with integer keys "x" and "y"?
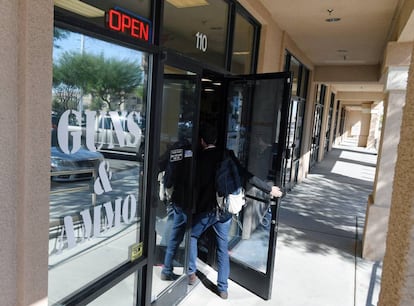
{"x": 201, "y": 41}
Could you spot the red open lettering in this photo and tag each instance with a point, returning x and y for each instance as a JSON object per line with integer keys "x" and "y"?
{"x": 121, "y": 22}
{"x": 114, "y": 20}
{"x": 126, "y": 23}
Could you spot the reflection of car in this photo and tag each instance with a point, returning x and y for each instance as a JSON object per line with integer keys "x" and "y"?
{"x": 71, "y": 167}
{"x": 73, "y": 164}
{"x": 106, "y": 137}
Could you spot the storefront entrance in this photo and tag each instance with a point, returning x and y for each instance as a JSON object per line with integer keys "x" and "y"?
{"x": 124, "y": 128}
{"x": 255, "y": 129}
{"x": 254, "y": 122}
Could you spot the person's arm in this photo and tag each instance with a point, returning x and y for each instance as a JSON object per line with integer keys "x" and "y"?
{"x": 254, "y": 180}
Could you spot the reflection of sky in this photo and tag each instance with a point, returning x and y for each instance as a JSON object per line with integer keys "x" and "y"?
{"x": 73, "y": 43}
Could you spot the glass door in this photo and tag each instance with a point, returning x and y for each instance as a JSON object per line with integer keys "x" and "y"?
{"x": 177, "y": 143}
{"x": 256, "y": 131}
{"x": 293, "y": 142}
{"x": 317, "y": 124}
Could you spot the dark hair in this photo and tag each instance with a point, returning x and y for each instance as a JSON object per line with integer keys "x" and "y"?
{"x": 208, "y": 133}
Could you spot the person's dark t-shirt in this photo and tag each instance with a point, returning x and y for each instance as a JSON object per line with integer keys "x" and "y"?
{"x": 206, "y": 168}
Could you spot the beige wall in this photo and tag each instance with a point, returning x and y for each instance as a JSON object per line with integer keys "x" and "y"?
{"x": 397, "y": 286}
{"x": 405, "y": 11}
{"x": 25, "y": 78}
{"x": 357, "y": 124}
{"x": 274, "y": 41}
{"x": 9, "y": 161}
{"x": 271, "y": 53}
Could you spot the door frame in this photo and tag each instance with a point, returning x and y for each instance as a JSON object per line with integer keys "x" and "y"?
{"x": 177, "y": 290}
{"x": 255, "y": 281}
{"x": 296, "y": 143}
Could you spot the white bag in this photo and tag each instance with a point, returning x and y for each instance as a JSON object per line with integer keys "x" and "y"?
{"x": 233, "y": 203}
{"x": 164, "y": 193}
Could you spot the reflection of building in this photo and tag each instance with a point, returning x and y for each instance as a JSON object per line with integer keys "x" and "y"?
{"x": 356, "y": 91}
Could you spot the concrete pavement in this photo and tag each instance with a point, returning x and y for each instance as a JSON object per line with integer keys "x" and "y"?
{"x": 318, "y": 260}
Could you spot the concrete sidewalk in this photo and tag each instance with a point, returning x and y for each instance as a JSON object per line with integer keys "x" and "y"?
{"x": 318, "y": 260}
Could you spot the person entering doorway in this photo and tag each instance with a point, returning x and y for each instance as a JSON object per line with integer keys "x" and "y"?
{"x": 206, "y": 206}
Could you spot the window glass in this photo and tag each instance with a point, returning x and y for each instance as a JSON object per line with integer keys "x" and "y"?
{"x": 252, "y": 226}
{"x": 127, "y": 17}
{"x": 123, "y": 294}
{"x": 197, "y": 28}
{"x": 304, "y": 82}
{"x": 175, "y": 177}
{"x": 243, "y": 42}
{"x": 98, "y": 124}
{"x": 294, "y": 67}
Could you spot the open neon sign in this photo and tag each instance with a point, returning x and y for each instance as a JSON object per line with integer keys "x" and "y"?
{"x": 130, "y": 25}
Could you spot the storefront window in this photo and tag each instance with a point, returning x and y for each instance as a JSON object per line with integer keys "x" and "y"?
{"x": 197, "y": 29}
{"x": 98, "y": 125}
{"x": 123, "y": 294}
{"x": 243, "y": 43}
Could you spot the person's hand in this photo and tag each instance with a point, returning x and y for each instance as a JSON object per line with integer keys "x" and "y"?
{"x": 276, "y": 192}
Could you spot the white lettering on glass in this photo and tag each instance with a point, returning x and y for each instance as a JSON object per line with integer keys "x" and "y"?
{"x": 102, "y": 183}
{"x": 112, "y": 219}
{"x": 90, "y": 118}
{"x": 63, "y": 131}
{"x": 201, "y": 41}
{"x": 98, "y": 129}
{"x": 129, "y": 209}
{"x": 134, "y": 129}
{"x": 101, "y": 218}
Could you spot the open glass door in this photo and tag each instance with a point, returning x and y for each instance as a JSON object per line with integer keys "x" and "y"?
{"x": 256, "y": 131}
{"x": 293, "y": 142}
{"x": 178, "y": 126}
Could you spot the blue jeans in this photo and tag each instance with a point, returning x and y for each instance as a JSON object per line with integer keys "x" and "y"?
{"x": 201, "y": 223}
{"x": 175, "y": 238}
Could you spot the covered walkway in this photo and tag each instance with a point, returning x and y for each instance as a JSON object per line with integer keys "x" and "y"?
{"x": 318, "y": 257}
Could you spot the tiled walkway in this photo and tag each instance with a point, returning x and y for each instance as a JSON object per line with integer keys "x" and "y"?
{"x": 318, "y": 260}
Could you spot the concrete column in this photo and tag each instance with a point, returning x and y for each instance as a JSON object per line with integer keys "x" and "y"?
{"x": 333, "y": 126}
{"x": 26, "y": 32}
{"x": 365, "y": 124}
{"x": 379, "y": 202}
{"x": 322, "y": 139}
{"x": 373, "y": 135}
{"x": 397, "y": 285}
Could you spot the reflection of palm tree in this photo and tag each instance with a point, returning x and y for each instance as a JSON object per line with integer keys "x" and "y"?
{"x": 109, "y": 79}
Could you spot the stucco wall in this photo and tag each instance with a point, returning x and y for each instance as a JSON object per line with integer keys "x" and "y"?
{"x": 25, "y": 77}
{"x": 397, "y": 287}
{"x": 8, "y": 160}
{"x": 273, "y": 42}
{"x": 270, "y": 52}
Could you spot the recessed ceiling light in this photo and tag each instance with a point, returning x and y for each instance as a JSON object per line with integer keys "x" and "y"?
{"x": 241, "y": 53}
{"x": 80, "y": 8}
{"x": 188, "y": 3}
{"x": 333, "y": 19}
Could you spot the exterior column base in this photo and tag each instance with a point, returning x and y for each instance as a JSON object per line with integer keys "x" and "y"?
{"x": 375, "y": 231}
